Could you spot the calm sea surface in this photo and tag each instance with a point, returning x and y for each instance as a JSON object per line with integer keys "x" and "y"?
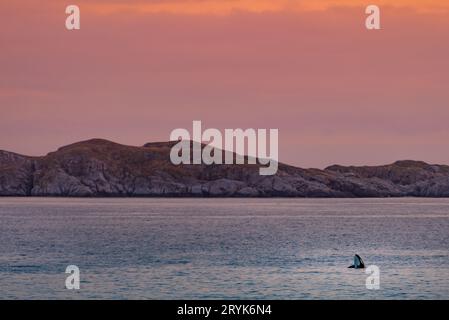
{"x": 223, "y": 248}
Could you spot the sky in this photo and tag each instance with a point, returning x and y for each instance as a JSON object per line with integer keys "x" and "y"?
{"x": 136, "y": 70}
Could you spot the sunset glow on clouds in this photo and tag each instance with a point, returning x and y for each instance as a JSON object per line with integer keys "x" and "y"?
{"x": 221, "y": 7}
{"x": 138, "y": 69}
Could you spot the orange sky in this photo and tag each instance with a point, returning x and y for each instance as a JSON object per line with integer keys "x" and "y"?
{"x": 138, "y": 69}
{"x": 255, "y": 6}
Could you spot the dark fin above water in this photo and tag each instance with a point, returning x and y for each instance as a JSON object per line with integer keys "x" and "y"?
{"x": 358, "y": 263}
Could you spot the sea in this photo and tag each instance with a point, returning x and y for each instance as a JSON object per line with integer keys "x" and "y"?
{"x": 166, "y": 248}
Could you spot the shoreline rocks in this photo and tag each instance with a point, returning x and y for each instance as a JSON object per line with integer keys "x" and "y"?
{"x": 100, "y": 168}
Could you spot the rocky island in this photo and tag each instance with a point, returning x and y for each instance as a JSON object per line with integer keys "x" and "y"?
{"x": 100, "y": 168}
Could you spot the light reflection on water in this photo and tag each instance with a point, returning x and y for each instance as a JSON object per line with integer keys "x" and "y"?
{"x": 223, "y": 248}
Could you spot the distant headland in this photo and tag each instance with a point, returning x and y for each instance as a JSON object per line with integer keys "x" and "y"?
{"x": 100, "y": 168}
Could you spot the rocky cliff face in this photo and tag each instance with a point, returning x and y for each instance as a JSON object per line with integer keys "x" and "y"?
{"x": 102, "y": 168}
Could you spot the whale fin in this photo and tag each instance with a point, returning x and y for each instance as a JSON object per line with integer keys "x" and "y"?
{"x": 358, "y": 263}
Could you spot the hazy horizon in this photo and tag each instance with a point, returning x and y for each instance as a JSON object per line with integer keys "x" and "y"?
{"x": 338, "y": 93}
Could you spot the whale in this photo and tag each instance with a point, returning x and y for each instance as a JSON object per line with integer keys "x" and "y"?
{"x": 358, "y": 263}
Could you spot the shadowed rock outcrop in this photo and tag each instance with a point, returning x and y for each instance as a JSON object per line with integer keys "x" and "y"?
{"x": 98, "y": 167}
